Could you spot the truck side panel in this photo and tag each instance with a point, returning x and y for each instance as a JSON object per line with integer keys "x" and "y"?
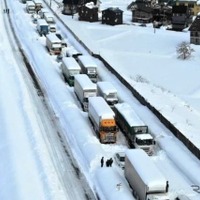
{"x": 135, "y": 181}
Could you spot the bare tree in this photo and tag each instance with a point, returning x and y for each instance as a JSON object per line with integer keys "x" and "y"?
{"x": 184, "y": 50}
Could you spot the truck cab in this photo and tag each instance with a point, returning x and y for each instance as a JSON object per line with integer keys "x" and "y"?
{"x": 146, "y": 142}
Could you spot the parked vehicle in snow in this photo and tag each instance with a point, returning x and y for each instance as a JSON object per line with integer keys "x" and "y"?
{"x": 84, "y": 88}
{"x": 64, "y": 43}
{"x": 49, "y": 18}
{"x": 146, "y": 180}
{"x": 88, "y": 66}
{"x": 106, "y": 90}
{"x": 53, "y": 44}
{"x": 52, "y": 28}
{"x": 30, "y": 7}
{"x": 134, "y": 128}
{"x": 41, "y": 12}
{"x": 42, "y": 27}
{"x": 103, "y": 120}
{"x": 119, "y": 158}
{"x": 70, "y": 68}
{"x": 72, "y": 52}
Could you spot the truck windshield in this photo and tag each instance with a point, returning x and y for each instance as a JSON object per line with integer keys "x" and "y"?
{"x": 108, "y": 129}
{"x": 144, "y": 142}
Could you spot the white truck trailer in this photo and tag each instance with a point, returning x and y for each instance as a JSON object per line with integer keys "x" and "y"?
{"x": 88, "y": 66}
{"x": 103, "y": 120}
{"x": 134, "y": 129}
{"x": 70, "y": 68}
{"x": 84, "y": 88}
{"x": 53, "y": 44}
{"x": 146, "y": 180}
{"x": 106, "y": 90}
{"x": 49, "y": 18}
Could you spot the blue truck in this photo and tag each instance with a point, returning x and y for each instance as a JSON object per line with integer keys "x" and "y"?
{"x": 42, "y": 27}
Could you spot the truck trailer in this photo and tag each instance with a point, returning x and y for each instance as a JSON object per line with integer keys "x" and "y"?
{"x": 49, "y": 18}
{"x": 84, "y": 88}
{"x": 103, "y": 120}
{"x": 53, "y": 44}
{"x": 70, "y": 68}
{"x": 147, "y": 182}
{"x": 134, "y": 128}
{"x": 42, "y": 27}
{"x": 106, "y": 90}
{"x": 88, "y": 66}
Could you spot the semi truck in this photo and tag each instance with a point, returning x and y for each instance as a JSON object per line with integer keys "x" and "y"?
{"x": 106, "y": 90}
{"x": 103, "y": 120}
{"x": 134, "y": 129}
{"x": 88, "y": 66}
{"x": 84, "y": 88}
{"x": 30, "y": 7}
{"x": 53, "y": 44}
{"x": 146, "y": 180}
{"x": 49, "y": 18}
{"x": 42, "y": 27}
{"x": 70, "y": 68}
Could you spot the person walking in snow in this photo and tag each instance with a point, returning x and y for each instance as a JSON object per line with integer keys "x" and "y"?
{"x": 110, "y": 162}
{"x": 107, "y": 163}
{"x": 102, "y": 161}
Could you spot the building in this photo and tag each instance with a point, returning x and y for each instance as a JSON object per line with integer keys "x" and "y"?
{"x": 88, "y": 12}
{"x": 195, "y": 31}
{"x": 193, "y": 5}
{"x": 70, "y": 7}
{"x": 142, "y": 12}
{"x": 112, "y": 16}
{"x": 180, "y": 17}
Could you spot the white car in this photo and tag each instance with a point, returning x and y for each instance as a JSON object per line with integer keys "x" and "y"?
{"x": 119, "y": 158}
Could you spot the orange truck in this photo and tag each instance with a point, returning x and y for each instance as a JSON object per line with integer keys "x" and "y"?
{"x": 103, "y": 119}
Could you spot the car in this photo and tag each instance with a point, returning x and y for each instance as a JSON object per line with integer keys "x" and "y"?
{"x": 119, "y": 158}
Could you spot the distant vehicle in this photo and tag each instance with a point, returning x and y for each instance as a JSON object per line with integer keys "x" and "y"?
{"x": 49, "y": 18}
{"x": 34, "y": 18}
{"x": 106, "y": 90}
{"x": 84, "y": 88}
{"x": 42, "y": 27}
{"x": 53, "y": 44}
{"x": 30, "y": 7}
{"x": 52, "y": 28}
{"x": 120, "y": 159}
{"x": 70, "y": 68}
{"x": 88, "y": 66}
{"x": 64, "y": 44}
{"x": 41, "y": 12}
{"x": 72, "y": 52}
{"x": 134, "y": 128}
{"x": 146, "y": 180}
{"x": 103, "y": 120}
{"x": 38, "y": 5}
{"x": 59, "y": 57}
